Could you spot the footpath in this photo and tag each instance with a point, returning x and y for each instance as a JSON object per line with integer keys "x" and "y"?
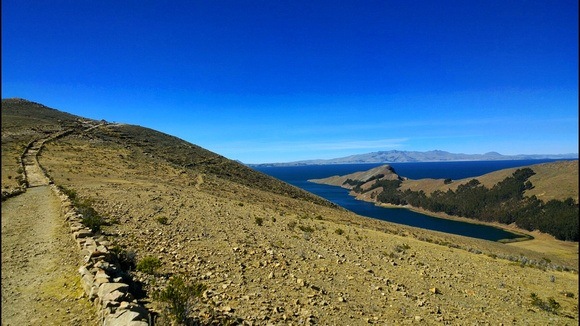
{"x": 43, "y": 245}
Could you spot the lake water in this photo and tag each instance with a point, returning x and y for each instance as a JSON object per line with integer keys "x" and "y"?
{"x": 298, "y": 176}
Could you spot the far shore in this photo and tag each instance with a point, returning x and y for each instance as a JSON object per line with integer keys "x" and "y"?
{"x": 525, "y": 234}
{"x": 532, "y": 240}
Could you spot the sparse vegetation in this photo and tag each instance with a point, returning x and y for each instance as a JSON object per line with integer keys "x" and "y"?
{"x": 550, "y": 306}
{"x": 253, "y": 271}
{"x": 163, "y": 220}
{"x": 148, "y": 265}
{"x": 179, "y": 296}
{"x": 306, "y": 228}
{"x": 259, "y": 221}
{"x": 91, "y": 218}
{"x": 568, "y": 294}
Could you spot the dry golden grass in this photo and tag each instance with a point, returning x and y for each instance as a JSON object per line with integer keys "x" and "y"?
{"x": 558, "y": 180}
{"x": 295, "y": 266}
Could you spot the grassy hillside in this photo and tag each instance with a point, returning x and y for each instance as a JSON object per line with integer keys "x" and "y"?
{"x": 558, "y": 180}
{"x": 269, "y": 253}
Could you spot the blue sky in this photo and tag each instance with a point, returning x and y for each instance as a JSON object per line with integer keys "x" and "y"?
{"x": 278, "y": 81}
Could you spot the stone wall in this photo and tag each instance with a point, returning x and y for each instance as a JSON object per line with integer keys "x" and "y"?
{"x": 101, "y": 275}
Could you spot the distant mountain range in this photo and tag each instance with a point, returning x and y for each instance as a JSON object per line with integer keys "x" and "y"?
{"x": 395, "y": 156}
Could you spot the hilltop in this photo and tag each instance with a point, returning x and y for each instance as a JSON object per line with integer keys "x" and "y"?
{"x": 267, "y": 252}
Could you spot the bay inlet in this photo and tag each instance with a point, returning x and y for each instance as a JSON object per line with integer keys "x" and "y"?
{"x": 299, "y": 176}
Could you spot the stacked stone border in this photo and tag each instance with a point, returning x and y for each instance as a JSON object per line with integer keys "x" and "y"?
{"x": 101, "y": 275}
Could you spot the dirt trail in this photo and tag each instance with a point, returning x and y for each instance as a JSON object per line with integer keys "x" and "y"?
{"x": 40, "y": 285}
{"x": 34, "y": 173}
{"x": 40, "y": 282}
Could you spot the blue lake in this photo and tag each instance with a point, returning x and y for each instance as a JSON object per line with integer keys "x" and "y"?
{"x": 299, "y": 176}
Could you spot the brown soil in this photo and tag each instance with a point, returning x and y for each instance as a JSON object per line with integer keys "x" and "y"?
{"x": 40, "y": 282}
{"x": 268, "y": 253}
{"x": 295, "y": 265}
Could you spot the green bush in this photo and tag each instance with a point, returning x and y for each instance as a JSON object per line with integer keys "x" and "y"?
{"x": 339, "y": 231}
{"x": 163, "y": 220}
{"x": 551, "y": 306}
{"x": 307, "y": 229}
{"x": 259, "y": 220}
{"x": 69, "y": 192}
{"x": 91, "y": 217}
{"x": 178, "y": 295}
{"x": 148, "y": 265}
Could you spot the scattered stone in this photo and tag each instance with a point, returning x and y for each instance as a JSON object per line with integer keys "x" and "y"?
{"x": 435, "y": 290}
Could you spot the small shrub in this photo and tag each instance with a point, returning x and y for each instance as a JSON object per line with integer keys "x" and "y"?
{"x": 339, "y": 231}
{"x": 551, "y": 306}
{"x": 69, "y": 192}
{"x": 179, "y": 295}
{"x": 291, "y": 225}
{"x": 163, "y": 220}
{"x": 91, "y": 218}
{"x": 259, "y": 221}
{"x": 148, "y": 265}
{"x": 307, "y": 229}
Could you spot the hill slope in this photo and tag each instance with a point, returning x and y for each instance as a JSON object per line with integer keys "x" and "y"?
{"x": 270, "y": 253}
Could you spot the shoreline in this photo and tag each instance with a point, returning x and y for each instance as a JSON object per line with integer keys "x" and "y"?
{"x": 525, "y": 234}
{"x": 512, "y": 228}
{"x": 536, "y": 241}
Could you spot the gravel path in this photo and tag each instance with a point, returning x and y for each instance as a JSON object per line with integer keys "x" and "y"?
{"x": 40, "y": 282}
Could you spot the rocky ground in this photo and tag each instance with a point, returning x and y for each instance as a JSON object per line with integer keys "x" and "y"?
{"x": 266, "y": 256}
{"x": 270, "y": 259}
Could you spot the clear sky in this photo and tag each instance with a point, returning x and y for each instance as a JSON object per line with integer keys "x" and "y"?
{"x": 278, "y": 81}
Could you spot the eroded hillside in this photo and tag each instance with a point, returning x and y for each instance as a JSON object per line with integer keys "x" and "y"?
{"x": 270, "y": 253}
